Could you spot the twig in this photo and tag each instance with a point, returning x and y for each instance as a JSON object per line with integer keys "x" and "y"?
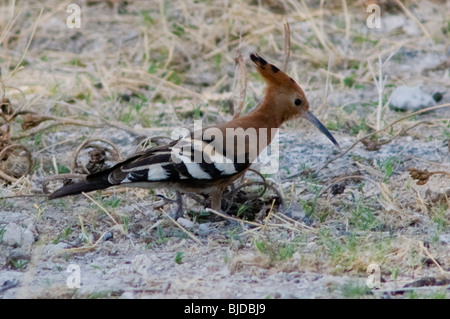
{"x": 320, "y": 35}
{"x": 268, "y": 216}
{"x": 23, "y": 196}
{"x": 26, "y": 48}
{"x": 432, "y": 258}
{"x": 285, "y": 218}
{"x": 6, "y": 176}
{"x": 412, "y": 17}
{"x": 287, "y": 45}
{"x": 66, "y": 176}
{"x": 85, "y": 248}
{"x": 58, "y": 121}
{"x": 376, "y": 132}
{"x": 106, "y": 211}
{"x": 233, "y": 218}
{"x": 181, "y": 227}
{"x": 347, "y": 21}
{"x": 239, "y": 85}
{"x": 380, "y": 86}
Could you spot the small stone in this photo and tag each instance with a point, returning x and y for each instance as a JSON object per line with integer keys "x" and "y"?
{"x": 16, "y": 236}
{"x": 186, "y": 223}
{"x": 54, "y": 249}
{"x": 445, "y": 238}
{"x": 204, "y": 229}
{"x": 405, "y": 98}
{"x": 295, "y": 211}
{"x": 438, "y": 96}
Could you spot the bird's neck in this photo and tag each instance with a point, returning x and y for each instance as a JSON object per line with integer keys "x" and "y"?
{"x": 267, "y": 115}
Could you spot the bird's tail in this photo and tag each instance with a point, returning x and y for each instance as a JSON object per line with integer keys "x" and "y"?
{"x": 93, "y": 182}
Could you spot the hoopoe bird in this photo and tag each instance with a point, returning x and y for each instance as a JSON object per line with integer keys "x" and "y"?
{"x": 210, "y": 159}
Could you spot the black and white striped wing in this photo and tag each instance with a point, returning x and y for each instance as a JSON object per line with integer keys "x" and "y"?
{"x": 185, "y": 160}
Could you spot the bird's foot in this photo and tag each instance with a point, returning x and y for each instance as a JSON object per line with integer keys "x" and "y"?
{"x": 178, "y": 200}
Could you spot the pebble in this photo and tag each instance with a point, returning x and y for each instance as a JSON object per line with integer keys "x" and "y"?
{"x": 186, "y": 223}
{"x": 204, "y": 229}
{"x": 295, "y": 211}
{"x": 405, "y": 98}
{"x": 445, "y": 238}
{"x": 16, "y": 236}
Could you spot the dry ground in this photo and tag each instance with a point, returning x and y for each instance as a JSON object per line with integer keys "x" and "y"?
{"x": 143, "y": 68}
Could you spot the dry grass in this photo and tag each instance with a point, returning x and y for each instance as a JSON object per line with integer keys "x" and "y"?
{"x": 145, "y": 67}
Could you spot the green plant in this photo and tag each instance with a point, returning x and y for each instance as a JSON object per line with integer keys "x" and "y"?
{"x": 199, "y": 217}
{"x": 161, "y": 238}
{"x": 179, "y": 257}
{"x": 19, "y": 264}
{"x": 355, "y": 290}
{"x": 387, "y": 166}
{"x": 362, "y": 217}
{"x": 63, "y": 235}
{"x": 232, "y": 236}
{"x": 440, "y": 215}
{"x": 356, "y": 128}
{"x": 349, "y": 81}
{"x": 126, "y": 223}
{"x": 101, "y": 269}
{"x": 39, "y": 210}
{"x": 62, "y": 169}
{"x": 275, "y": 250}
{"x": 2, "y": 232}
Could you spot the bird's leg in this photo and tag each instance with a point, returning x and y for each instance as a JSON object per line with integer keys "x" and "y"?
{"x": 216, "y": 198}
{"x": 216, "y": 202}
{"x": 178, "y": 200}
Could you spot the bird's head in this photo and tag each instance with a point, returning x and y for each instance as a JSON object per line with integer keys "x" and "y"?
{"x": 286, "y": 95}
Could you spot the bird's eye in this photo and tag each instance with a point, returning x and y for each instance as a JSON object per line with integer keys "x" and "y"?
{"x": 298, "y": 101}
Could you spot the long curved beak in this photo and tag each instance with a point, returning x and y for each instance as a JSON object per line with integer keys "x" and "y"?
{"x": 314, "y": 120}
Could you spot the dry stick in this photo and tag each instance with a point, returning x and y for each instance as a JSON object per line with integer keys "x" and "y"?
{"x": 24, "y": 196}
{"x": 432, "y": 258}
{"x": 268, "y": 215}
{"x": 54, "y": 145}
{"x": 85, "y": 248}
{"x": 3, "y": 152}
{"x": 58, "y": 121}
{"x": 105, "y": 210}
{"x": 240, "y": 81}
{"x": 232, "y": 218}
{"x": 380, "y": 86}
{"x": 26, "y": 48}
{"x": 287, "y": 45}
{"x": 320, "y": 35}
{"x": 68, "y": 176}
{"x": 181, "y": 227}
{"x": 10, "y": 25}
{"x": 7, "y": 178}
{"x": 327, "y": 85}
{"x": 285, "y": 218}
{"x": 376, "y": 132}
{"x": 3, "y": 85}
{"x": 412, "y": 17}
{"x": 380, "y": 83}
{"x": 403, "y": 131}
{"x": 347, "y": 21}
